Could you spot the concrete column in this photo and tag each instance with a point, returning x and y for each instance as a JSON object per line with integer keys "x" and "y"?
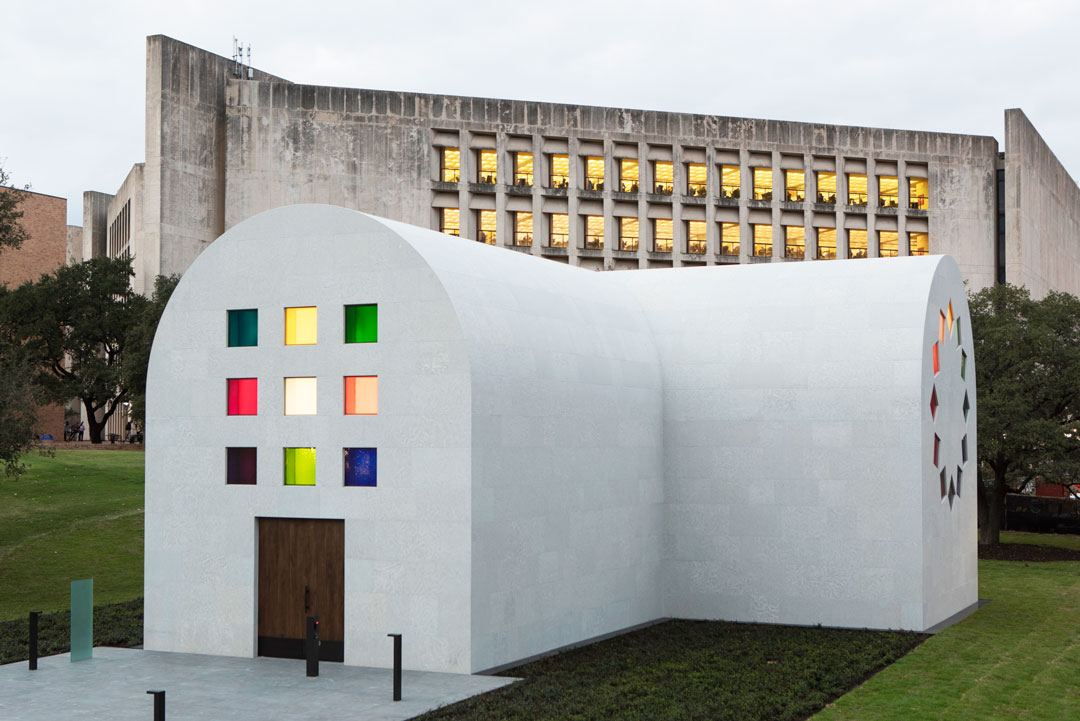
{"x": 539, "y": 235}
{"x": 777, "y": 193}
{"x": 577, "y": 232}
{"x": 901, "y": 216}
{"x": 872, "y": 189}
{"x": 678, "y": 232}
{"x": 611, "y": 229}
{"x": 809, "y": 235}
{"x": 645, "y": 229}
{"x": 746, "y": 190}
{"x": 841, "y": 201}
{"x": 712, "y": 185}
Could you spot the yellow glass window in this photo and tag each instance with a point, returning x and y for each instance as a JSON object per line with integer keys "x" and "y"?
{"x": 523, "y": 170}
{"x": 729, "y": 239}
{"x": 856, "y": 244}
{"x": 663, "y": 235}
{"x": 729, "y": 181}
{"x": 695, "y": 237}
{"x": 763, "y": 184}
{"x": 628, "y": 175}
{"x": 451, "y": 165}
{"x": 795, "y": 186}
{"x": 794, "y": 241}
{"x": 762, "y": 240}
{"x": 888, "y": 191}
{"x": 888, "y": 243}
{"x": 560, "y": 171}
{"x": 663, "y": 177}
{"x": 826, "y": 187}
{"x": 696, "y": 180}
{"x": 594, "y": 232}
{"x": 560, "y": 230}
{"x": 450, "y": 221}
{"x": 594, "y": 172}
{"x": 487, "y": 169}
{"x": 918, "y": 194}
{"x": 826, "y": 243}
{"x": 523, "y": 228}
{"x": 300, "y": 326}
{"x": 918, "y": 243}
{"x": 486, "y": 223}
{"x": 856, "y": 189}
{"x": 628, "y": 233}
{"x": 300, "y": 396}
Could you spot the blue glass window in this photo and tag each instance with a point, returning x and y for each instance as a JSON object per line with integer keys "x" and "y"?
{"x": 360, "y": 466}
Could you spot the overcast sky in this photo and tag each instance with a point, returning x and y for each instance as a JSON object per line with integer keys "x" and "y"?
{"x": 73, "y": 87}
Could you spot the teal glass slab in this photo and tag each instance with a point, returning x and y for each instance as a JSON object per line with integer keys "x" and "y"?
{"x": 82, "y": 619}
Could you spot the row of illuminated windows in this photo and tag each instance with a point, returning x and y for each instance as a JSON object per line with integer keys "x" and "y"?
{"x": 360, "y": 396}
{"x": 629, "y": 235}
{"x": 359, "y": 466}
{"x": 663, "y": 179}
{"x": 301, "y": 325}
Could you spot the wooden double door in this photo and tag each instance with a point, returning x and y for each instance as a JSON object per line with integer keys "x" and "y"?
{"x": 301, "y": 574}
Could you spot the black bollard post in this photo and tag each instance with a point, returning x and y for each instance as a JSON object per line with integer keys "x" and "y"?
{"x": 159, "y": 705}
{"x": 33, "y": 639}
{"x": 397, "y": 664}
{"x": 311, "y": 650}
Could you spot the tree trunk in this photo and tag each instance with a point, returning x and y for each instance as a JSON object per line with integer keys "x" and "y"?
{"x": 993, "y": 498}
{"x": 93, "y": 424}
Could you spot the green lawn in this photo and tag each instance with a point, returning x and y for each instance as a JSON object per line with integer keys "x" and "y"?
{"x": 78, "y": 514}
{"x": 1056, "y": 540}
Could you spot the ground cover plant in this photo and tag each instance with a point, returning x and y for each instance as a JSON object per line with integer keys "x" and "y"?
{"x": 77, "y": 514}
{"x": 115, "y": 624}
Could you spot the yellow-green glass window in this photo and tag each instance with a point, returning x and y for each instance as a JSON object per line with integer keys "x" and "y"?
{"x": 729, "y": 239}
{"x": 826, "y": 187}
{"x": 762, "y": 240}
{"x": 451, "y": 165}
{"x": 795, "y": 186}
{"x": 487, "y": 168}
{"x": 301, "y": 326}
{"x": 856, "y": 189}
{"x": 663, "y": 177}
{"x": 594, "y": 172}
{"x": 696, "y": 180}
{"x": 628, "y": 175}
{"x": 918, "y": 243}
{"x": 729, "y": 181}
{"x": 594, "y": 232}
{"x": 300, "y": 396}
{"x": 560, "y": 171}
{"x": 663, "y": 235}
{"x": 628, "y": 233}
{"x": 695, "y": 237}
{"x": 826, "y": 243}
{"x": 486, "y": 223}
{"x": 888, "y": 243}
{"x": 450, "y": 221}
{"x": 856, "y": 244}
{"x": 560, "y": 230}
{"x": 794, "y": 241}
{"x": 918, "y": 194}
{"x": 523, "y": 228}
{"x": 299, "y": 466}
{"x": 523, "y": 170}
{"x": 888, "y": 191}
{"x": 763, "y": 184}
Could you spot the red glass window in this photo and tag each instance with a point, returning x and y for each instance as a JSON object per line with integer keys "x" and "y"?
{"x": 243, "y": 396}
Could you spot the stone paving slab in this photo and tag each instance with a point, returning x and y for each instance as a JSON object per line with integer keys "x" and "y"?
{"x": 113, "y": 685}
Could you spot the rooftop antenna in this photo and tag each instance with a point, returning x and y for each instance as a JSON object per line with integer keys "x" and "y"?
{"x": 237, "y": 56}
{"x": 250, "y": 70}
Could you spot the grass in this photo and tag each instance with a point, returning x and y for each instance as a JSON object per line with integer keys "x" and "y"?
{"x": 1054, "y": 540}
{"x": 78, "y": 514}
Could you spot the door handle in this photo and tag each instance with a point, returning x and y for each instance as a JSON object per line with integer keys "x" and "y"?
{"x": 307, "y": 599}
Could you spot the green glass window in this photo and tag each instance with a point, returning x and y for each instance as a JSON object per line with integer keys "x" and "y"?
{"x": 243, "y": 328}
{"x": 299, "y": 466}
{"x": 361, "y": 323}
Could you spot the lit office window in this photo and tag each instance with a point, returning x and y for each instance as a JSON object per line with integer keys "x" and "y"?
{"x": 762, "y": 184}
{"x": 594, "y": 232}
{"x": 663, "y": 235}
{"x": 487, "y": 168}
{"x": 696, "y": 180}
{"x": 451, "y": 165}
{"x": 826, "y": 243}
{"x": 888, "y": 191}
{"x": 523, "y": 170}
{"x": 794, "y": 186}
{"x": 729, "y": 239}
{"x": 300, "y": 396}
{"x": 918, "y": 194}
{"x": 486, "y": 224}
{"x": 918, "y": 243}
{"x": 628, "y": 233}
{"x": 560, "y": 171}
{"x": 856, "y": 244}
{"x": 594, "y": 172}
{"x": 695, "y": 237}
{"x": 301, "y": 326}
{"x": 663, "y": 177}
{"x": 794, "y": 241}
{"x": 762, "y": 240}
{"x": 856, "y": 189}
{"x": 450, "y": 221}
{"x": 560, "y": 231}
{"x": 826, "y": 187}
{"x": 628, "y": 175}
{"x": 888, "y": 243}
{"x": 523, "y": 228}
{"x": 729, "y": 181}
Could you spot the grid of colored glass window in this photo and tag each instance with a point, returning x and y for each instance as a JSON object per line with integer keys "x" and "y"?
{"x": 361, "y": 323}
{"x": 361, "y": 395}
{"x": 243, "y": 328}
{"x": 361, "y": 467}
{"x": 299, "y": 466}
{"x": 300, "y": 396}
{"x": 243, "y": 396}
{"x": 301, "y": 325}
{"x": 240, "y": 466}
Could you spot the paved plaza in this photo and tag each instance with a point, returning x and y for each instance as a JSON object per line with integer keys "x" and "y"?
{"x": 113, "y": 685}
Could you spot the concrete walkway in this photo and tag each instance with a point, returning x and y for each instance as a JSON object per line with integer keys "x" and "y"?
{"x": 113, "y": 685}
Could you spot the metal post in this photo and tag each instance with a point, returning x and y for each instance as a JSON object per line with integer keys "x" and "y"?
{"x": 312, "y": 646}
{"x": 397, "y": 664}
{"x": 33, "y": 639}
{"x": 159, "y": 705}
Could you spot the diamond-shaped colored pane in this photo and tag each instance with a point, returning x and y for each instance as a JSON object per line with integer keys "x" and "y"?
{"x": 958, "y": 331}
{"x": 941, "y": 328}
{"x": 944, "y": 488}
{"x": 963, "y": 365}
{"x": 933, "y": 403}
{"x": 952, "y": 492}
{"x": 967, "y": 406}
{"x": 963, "y": 448}
{"x": 937, "y": 447}
{"x": 959, "y": 479}
{"x": 937, "y": 365}
{"x": 949, "y": 317}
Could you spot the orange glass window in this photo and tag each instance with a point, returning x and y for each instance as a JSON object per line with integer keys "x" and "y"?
{"x": 361, "y": 395}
